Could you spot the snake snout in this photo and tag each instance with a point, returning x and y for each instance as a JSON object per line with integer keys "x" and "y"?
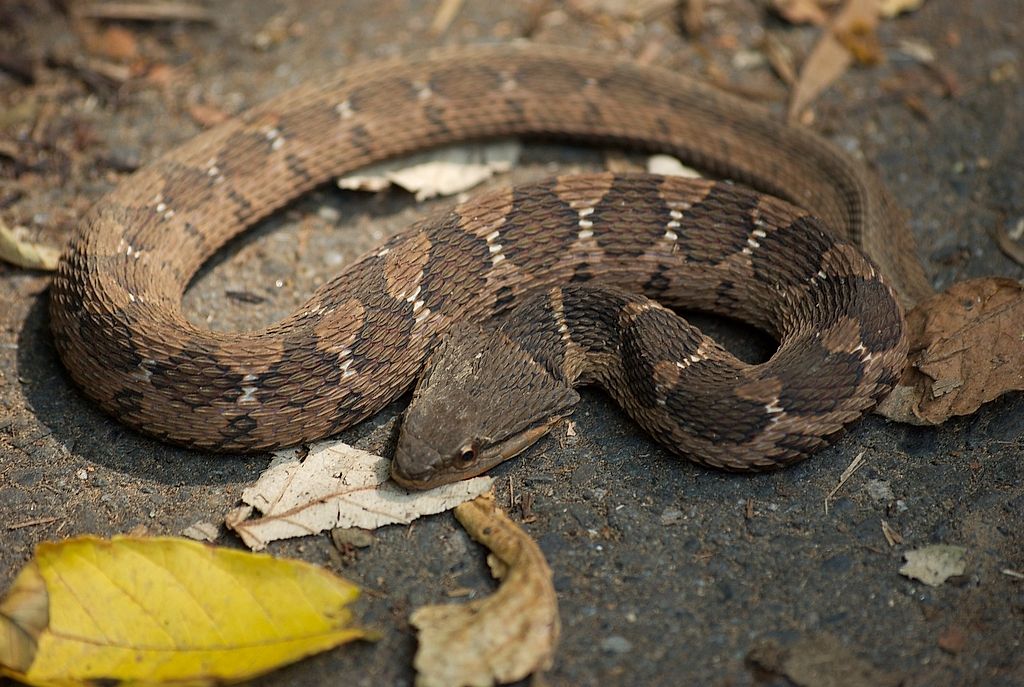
{"x": 414, "y": 463}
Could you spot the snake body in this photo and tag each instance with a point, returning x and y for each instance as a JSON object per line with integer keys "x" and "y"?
{"x": 360, "y": 340}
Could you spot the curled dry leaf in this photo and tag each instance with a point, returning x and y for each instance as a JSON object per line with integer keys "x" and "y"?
{"x": 442, "y": 172}
{"x": 32, "y": 256}
{"x": 966, "y": 349}
{"x": 163, "y": 610}
{"x": 853, "y": 26}
{"x": 336, "y": 486}
{"x": 933, "y": 565}
{"x": 501, "y": 638}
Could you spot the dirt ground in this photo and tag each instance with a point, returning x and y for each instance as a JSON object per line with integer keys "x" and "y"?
{"x": 666, "y": 573}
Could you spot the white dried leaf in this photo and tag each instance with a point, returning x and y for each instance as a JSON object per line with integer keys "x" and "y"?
{"x": 33, "y": 256}
{"x": 202, "y": 531}
{"x": 441, "y": 172}
{"x": 933, "y": 565}
{"x": 890, "y": 8}
{"x": 670, "y": 166}
{"x": 336, "y": 486}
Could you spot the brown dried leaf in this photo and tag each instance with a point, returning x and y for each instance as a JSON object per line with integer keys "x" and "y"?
{"x": 501, "y": 638}
{"x": 862, "y": 42}
{"x": 966, "y": 348}
{"x": 117, "y": 43}
{"x": 830, "y": 58}
{"x": 207, "y": 115}
{"x": 800, "y": 11}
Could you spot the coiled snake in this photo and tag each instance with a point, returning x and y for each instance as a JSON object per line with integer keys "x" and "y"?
{"x": 360, "y": 340}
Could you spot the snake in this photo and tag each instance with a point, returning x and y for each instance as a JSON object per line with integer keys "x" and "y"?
{"x": 790, "y": 234}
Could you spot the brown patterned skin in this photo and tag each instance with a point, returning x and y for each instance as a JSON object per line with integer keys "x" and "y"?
{"x": 489, "y": 392}
{"x": 360, "y": 340}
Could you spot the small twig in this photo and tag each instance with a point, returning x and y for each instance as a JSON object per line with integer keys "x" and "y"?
{"x": 99, "y": 75}
{"x": 1012, "y": 573}
{"x": 892, "y": 536}
{"x": 21, "y": 68}
{"x": 693, "y": 16}
{"x": 854, "y": 465}
{"x": 32, "y": 523}
{"x": 445, "y": 15}
{"x": 146, "y": 11}
{"x": 780, "y": 59}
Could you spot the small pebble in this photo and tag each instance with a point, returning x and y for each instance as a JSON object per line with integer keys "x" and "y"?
{"x": 616, "y": 645}
{"x": 352, "y": 536}
{"x": 880, "y": 492}
{"x": 328, "y": 214}
{"x": 671, "y": 516}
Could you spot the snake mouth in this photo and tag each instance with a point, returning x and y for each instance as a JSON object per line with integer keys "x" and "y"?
{"x": 494, "y": 454}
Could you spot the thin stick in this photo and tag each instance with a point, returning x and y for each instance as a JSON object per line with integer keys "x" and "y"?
{"x": 444, "y": 16}
{"x": 32, "y": 523}
{"x": 847, "y": 474}
{"x": 146, "y": 11}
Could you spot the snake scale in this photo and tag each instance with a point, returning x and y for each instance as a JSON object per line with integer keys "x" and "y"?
{"x": 360, "y": 340}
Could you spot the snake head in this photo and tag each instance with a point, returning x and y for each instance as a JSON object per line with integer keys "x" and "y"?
{"x": 481, "y": 400}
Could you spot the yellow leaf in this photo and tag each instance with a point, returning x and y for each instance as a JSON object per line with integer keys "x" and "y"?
{"x": 501, "y": 638}
{"x": 159, "y": 610}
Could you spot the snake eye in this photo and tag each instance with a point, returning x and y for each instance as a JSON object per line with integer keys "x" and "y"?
{"x": 468, "y": 456}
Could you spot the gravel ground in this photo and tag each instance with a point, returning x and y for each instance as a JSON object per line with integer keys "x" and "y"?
{"x": 666, "y": 573}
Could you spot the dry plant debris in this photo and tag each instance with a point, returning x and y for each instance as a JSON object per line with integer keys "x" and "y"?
{"x": 144, "y": 11}
{"x": 336, "y": 486}
{"x": 25, "y": 254}
{"x": 854, "y": 465}
{"x": 163, "y": 610}
{"x": 933, "y": 565}
{"x": 966, "y": 349}
{"x": 442, "y": 172}
{"x": 832, "y": 55}
{"x": 847, "y": 36}
{"x": 802, "y": 11}
{"x": 505, "y": 636}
